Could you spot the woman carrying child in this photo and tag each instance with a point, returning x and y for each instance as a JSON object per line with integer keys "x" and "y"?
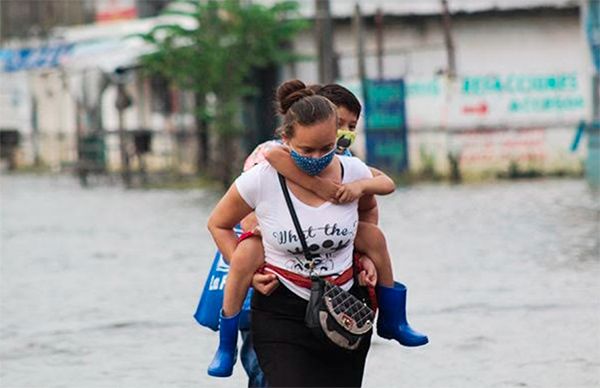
{"x": 287, "y": 351}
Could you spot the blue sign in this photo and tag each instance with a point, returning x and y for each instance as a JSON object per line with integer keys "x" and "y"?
{"x": 385, "y": 128}
{"x": 34, "y": 58}
{"x": 384, "y": 104}
{"x": 387, "y": 150}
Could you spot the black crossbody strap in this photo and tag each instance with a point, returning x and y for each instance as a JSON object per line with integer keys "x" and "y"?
{"x": 295, "y": 220}
{"x": 288, "y": 200}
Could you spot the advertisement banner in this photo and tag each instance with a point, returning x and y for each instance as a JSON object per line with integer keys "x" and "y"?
{"x": 512, "y": 99}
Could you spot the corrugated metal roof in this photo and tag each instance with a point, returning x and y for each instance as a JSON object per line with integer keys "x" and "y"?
{"x": 345, "y": 8}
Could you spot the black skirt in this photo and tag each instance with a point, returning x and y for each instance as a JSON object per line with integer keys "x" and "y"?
{"x": 290, "y": 355}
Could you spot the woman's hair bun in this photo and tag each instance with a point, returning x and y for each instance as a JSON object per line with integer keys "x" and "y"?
{"x": 290, "y": 92}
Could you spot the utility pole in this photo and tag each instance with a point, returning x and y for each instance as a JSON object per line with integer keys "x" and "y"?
{"x": 448, "y": 41}
{"x": 357, "y": 28}
{"x": 324, "y": 37}
{"x": 2, "y": 21}
{"x": 123, "y": 102}
{"x": 35, "y": 132}
{"x": 379, "y": 41}
{"x": 590, "y": 17}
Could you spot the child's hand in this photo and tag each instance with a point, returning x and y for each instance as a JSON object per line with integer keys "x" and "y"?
{"x": 349, "y": 192}
{"x": 327, "y": 189}
{"x": 368, "y": 276}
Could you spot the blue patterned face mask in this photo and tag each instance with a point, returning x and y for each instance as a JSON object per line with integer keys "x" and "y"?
{"x": 312, "y": 166}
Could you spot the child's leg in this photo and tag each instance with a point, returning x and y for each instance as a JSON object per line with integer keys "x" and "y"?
{"x": 247, "y": 258}
{"x": 391, "y": 296}
{"x": 371, "y": 241}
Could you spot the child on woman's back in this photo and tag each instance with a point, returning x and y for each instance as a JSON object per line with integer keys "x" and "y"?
{"x": 301, "y": 167}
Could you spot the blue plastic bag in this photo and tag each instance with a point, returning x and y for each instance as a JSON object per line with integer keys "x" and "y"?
{"x": 211, "y": 300}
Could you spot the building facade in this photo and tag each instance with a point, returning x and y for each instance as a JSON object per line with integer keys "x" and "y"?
{"x": 522, "y": 84}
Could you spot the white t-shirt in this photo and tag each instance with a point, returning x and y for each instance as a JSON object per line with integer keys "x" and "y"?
{"x": 329, "y": 228}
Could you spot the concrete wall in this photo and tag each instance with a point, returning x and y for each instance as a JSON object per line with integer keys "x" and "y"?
{"x": 543, "y": 40}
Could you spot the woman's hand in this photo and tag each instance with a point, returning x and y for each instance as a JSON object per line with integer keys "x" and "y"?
{"x": 368, "y": 276}
{"x": 250, "y": 222}
{"x": 265, "y": 283}
{"x": 256, "y": 231}
{"x": 349, "y": 192}
{"x": 326, "y": 189}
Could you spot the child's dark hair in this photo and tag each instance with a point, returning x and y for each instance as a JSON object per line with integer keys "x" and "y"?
{"x": 340, "y": 96}
{"x": 299, "y": 104}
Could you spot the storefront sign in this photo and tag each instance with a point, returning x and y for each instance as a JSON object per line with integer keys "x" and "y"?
{"x": 34, "y": 58}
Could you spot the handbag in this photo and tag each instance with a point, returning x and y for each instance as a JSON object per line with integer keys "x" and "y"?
{"x": 332, "y": 314}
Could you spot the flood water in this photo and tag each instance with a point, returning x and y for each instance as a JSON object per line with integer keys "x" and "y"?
{"x": 98, "y": 286}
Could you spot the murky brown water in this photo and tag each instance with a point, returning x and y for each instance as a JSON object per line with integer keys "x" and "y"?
{"x": 98, "y": 286}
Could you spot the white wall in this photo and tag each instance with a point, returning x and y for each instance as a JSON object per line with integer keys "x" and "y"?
{"x": 15, "y": 102}
{"x": 528, "y": 43}
{"x": 544, "y": 41}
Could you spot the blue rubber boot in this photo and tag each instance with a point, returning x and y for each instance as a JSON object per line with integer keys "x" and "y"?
{"x": 392, "y": 323}
{"x": 226, "y": 355}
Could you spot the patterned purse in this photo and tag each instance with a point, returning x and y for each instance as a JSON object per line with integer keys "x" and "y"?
{"x": 333, "y": 315}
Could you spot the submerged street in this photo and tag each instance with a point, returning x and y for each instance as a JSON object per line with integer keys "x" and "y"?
{"x": 99, "y": 285}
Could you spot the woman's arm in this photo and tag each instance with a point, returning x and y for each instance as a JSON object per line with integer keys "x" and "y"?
{"x": 280, "y": 159}
{"x": 227, "y": 214}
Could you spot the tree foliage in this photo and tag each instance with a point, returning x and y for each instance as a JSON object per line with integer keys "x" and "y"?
{"x": 228, "y": 40}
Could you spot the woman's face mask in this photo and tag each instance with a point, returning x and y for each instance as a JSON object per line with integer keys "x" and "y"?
{"x": 312, "y": 166}
{"x": 316, "y": 143}
{"x": 345, "y": 138}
